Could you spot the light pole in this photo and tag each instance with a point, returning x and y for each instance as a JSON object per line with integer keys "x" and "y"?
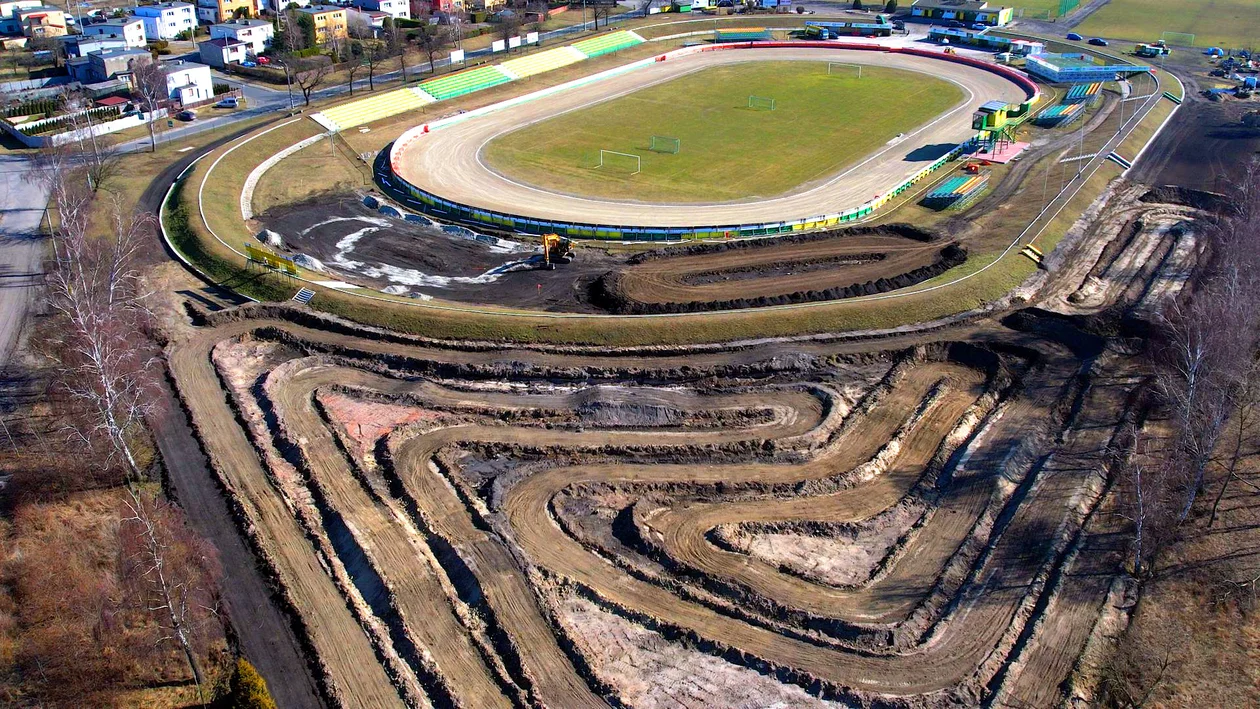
{"x": 287, "y": 80}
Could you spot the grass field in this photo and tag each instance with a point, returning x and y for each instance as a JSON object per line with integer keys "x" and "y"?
{"x": 820, "y": 124}
{"x": 1214, "y": 23}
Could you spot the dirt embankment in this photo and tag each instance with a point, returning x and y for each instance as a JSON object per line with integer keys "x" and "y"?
{"x": 801, "y": 268}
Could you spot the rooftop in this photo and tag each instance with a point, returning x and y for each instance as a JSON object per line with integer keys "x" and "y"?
{"x": 969, "y": 5}
{"x": 319, "y": 9}
{"x": 237, "y": 24}
{"x": 117, "y": 22}
{"x": 115, "y": 53}
{"x": 224, "y": 42}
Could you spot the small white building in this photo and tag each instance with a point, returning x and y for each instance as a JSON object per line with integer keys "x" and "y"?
{"x": 221, "y": 51}
{"x": 255, "y": 33}
{"x": 167, "y": 20}
{"x": 397, "y": 9}
{"x": 130, "y": 30}
{"x": 188, "y": 83}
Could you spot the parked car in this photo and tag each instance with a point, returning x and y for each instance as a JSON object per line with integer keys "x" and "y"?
{"x": 955, "y": 25}
{"x": 229, "y": 102}
{"x": 1098, "y": 42}
{"x": 264, "y": 60}
{"x": 249, "y": 64}
{"x": 899, "y": 25}
{"x": 187, "y": 115}
{"x": 979, "y": 26}
{"x": 1074, "y": 36}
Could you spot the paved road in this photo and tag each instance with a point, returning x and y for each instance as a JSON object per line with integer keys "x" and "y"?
{"x": 22, "y": 200}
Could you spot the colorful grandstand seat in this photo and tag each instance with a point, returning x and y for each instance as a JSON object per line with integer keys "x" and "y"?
{"x": 465, "y": 82}
{"x": 1061, "y": 115}
{"x": 956, "y": 191}
{"x": 1083, "y": 93}
{"x": 746, "y": 34}
{"x": 614, "y": 42}
{"x": 373, "y": 108}
{"x": 542, "y": 61}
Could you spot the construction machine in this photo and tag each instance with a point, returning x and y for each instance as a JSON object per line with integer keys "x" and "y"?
{"x": 556, "y": 249}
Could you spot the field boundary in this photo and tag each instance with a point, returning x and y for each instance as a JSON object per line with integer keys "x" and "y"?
{"x": 388, "y": 174}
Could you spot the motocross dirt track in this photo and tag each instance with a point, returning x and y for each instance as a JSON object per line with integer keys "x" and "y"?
{"x": 905, "y": 520}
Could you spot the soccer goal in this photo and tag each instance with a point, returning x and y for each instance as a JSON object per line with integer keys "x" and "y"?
{"x": 761, "y": 103}
{"x": 665, "y": 144}
{"x": 1178, "y": 39}
{"x": 842, "y": 69}
{"x": 611, "y": 157}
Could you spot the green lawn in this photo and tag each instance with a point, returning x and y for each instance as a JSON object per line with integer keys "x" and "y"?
{"x": 820, "y": 124}
{"x": 1220, "y": 23}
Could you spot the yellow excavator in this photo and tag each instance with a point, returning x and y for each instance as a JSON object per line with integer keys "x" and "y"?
{"x": 556, "y": 249}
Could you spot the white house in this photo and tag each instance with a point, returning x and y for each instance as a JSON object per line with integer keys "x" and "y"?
{"x": 130, "y": 30}
{"x": 255, "y": 33}
{"x": 188, "y": 83}
{"x": 397, "y": 9}
{"x": 166, "y": 20}
{"x": 221, "y": 51}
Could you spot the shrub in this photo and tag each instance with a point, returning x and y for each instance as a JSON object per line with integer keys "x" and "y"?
{"x": 245, "y": 690}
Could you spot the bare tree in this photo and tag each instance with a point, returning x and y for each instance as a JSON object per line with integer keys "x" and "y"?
{"x": 354, "y": 63}
{"x": 431, "y": 40}
{"x": 173, "y": 574}
{"x": 99, "y": 161}
{"x": 309, "y": 74}
{"x": 405, "y": 49}
{"x": 375, "y": 53}
{"x": 509, "y": 25}
{"x": 150, "y": 89}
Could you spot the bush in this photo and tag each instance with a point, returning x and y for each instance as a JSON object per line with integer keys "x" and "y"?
{"x": 245, "y": 690}
{"x": 408, "y": 24}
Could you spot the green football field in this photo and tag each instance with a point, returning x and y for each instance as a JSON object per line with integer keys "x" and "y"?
{"x": 820, "y": 123}
{"x": 1232, "y": 24}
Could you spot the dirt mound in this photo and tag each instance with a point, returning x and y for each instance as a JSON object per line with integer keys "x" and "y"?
{"x": 612, "y": 292}
{"x": 1199, "y": 199}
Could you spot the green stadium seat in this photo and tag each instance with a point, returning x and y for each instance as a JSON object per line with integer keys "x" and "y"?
{"x": 465, "y": 82}
{"x": 613, "y": 42}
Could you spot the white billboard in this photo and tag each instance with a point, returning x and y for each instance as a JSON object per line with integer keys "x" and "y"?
{"x": 498, "y": 46}
{"x": 457, "y": 55}
{"x": 514, "y": 42}
{"x": 531, "y": 38}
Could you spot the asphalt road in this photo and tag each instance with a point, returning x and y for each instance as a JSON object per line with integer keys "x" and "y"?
{"x": 22, "y": 200}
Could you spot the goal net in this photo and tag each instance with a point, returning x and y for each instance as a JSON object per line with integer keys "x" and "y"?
{"x": 761, "y": 103}
{"x": 620, "y": 161}
{"x": 1179, "y": 39}
{"x": 665, "y": 144}
{"x": 842, "y": 69}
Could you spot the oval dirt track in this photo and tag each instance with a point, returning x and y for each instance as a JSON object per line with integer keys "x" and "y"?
{"x": 447, "y": 162}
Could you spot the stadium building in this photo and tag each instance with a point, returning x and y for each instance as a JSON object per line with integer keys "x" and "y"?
{"x": 968, "y": 11}
{"x": 1077, "y": 68}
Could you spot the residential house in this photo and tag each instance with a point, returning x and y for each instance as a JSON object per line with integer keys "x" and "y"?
{"x": 188, "y": 83}
{"x": 255, "y": 33}
{"x": 330, "y": 22}
{"x": 374, "y": 19}
{"x": 77, "y": 45}
{"x": 107, "y": 64}
{"x": 39, "y": 21}
{"x": 221, "y": 51}
{"x": 397, "y": 9}
{"x": 167, "y": 20}
{"x": 967, "y": 11}
{"x": 9, "y": 23}
{"x": 210, "y": 12}
{"x": 275, "y": 6}
{"x": 130, "y": 30}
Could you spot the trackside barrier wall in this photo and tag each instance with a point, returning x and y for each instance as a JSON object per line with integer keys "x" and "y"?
{"x": 387, "y": 164}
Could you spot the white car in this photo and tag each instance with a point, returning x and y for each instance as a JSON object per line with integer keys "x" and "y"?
{"x": 229, "y": 102}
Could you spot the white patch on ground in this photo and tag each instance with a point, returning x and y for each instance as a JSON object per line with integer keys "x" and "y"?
{"x": 310, "y": 263}
{"x": 378, "y": 221}
{"x": 410, "y": 276}
{"x": 649, "y": 672}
